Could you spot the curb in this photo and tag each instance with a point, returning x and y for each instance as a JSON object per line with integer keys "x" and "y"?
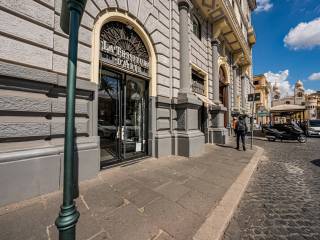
{"x": 217, "y": 222}
{"x": 258, "y": 138}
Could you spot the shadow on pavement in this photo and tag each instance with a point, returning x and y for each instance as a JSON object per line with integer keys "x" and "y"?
{"x": 225, "y": 146}
{"x": 316, "y": 162}
{"x": 122, "y": 163}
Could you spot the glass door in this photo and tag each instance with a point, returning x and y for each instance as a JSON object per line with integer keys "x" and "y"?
{"x": 122, "y": 116}
{"x": 109, "y": 115}
{"x": 134, "y": 142}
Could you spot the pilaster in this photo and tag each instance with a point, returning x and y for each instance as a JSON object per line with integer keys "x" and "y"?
{"x": 190, "y": 140}
{"x": 243, "y": 92}
{"x": 235, "y": 87}
{"x": 217, "y": 133}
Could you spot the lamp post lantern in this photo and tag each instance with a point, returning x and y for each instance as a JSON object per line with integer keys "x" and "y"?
{"x": 71, "y": 14}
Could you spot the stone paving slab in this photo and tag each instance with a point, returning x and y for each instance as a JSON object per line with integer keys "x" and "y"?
{"x": 153, "y": 199}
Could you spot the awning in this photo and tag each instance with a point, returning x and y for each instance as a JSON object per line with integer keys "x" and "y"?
{"x": 205, "y": 99}
{"x": 287, "y": 108}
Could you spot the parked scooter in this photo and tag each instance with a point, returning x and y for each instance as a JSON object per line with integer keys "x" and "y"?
{"x": 288, "y": 132}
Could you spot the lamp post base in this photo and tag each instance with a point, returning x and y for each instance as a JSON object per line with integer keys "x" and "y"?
{"x": 66, "y": 222}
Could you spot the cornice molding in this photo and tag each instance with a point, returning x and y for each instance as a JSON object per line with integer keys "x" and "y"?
{"x": 236, "y": 28}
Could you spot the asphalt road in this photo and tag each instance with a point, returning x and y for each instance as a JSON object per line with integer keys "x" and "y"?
{"x": 282, "y": 200}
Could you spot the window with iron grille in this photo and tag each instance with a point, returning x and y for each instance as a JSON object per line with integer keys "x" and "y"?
{"x": 198, "y": 83}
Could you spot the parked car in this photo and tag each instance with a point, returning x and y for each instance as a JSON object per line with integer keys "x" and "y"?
{"x": 313, "y": 127}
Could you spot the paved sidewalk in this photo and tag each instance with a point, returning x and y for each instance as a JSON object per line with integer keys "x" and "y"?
{"x": 160, "y": 199}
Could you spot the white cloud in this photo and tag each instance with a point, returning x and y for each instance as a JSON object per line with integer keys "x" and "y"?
{"x": 309, "y": 91}
{"x": 280, "y": 78}
{"x": 314, "y": 76}
{"x": 304, "y": 35}
{"x": 263, "y": 5}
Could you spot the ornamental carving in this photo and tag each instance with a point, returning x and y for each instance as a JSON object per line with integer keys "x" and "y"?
{"x": 122, "y": 47}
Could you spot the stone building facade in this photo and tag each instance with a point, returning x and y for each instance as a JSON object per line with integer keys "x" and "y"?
{"x": 262, "y": 107}
{"x": 298, "y": 97}
{"x": 154, "y": 78}
{"x": 313, "y": 105}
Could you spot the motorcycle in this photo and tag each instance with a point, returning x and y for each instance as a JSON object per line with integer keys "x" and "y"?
{"x": 288, "y": 132}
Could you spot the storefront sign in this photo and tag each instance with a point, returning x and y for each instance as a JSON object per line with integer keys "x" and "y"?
{"x": 262, "y": 113}
{"x": 117, "y": 56}
{"x": 122, "y": 47}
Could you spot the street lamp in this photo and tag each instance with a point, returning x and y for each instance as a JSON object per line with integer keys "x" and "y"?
{"x": 70, "y": 19}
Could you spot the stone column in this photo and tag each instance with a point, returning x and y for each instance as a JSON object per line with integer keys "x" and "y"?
{"x": 235, "y": 87}
{"x": 215, "y": 71}
{"x": 229, "y": 105}
{"x": 218, "y": 133}
{"x": 243, "y": 93}
{"x": 185, "y": 77}
{"x": 190, "y": 140}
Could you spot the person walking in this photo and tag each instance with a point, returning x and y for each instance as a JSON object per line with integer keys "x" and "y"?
{"x": 241, "y": 130}
{"x": 234, "y": 123}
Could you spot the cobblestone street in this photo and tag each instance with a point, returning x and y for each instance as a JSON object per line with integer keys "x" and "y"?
{"x": 282, "y": 200}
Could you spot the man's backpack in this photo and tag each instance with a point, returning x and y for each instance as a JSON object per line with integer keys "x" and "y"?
{"x": 241, "y": 125}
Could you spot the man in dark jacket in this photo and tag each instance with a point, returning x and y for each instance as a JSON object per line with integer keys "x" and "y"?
{"x": 241, "y": 127}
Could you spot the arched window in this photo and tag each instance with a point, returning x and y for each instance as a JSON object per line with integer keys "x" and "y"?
{"x": 196, "y": 27}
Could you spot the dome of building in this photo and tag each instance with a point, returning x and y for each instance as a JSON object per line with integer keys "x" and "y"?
{"x": 276, "y": 87}
{"x": 299, "y": 84}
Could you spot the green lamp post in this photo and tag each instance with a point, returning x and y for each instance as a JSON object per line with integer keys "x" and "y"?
{"x": 71, "y": 13}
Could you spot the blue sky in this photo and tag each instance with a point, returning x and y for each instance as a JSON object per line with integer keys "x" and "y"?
{"x": 288, "y": 42}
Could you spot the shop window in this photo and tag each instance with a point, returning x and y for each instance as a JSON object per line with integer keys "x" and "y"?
{"x": 196, "y": 27}
{"x": 198, "y": 83}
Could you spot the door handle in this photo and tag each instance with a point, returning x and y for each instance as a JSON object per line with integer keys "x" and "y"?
{"x": 122, "y": 133}
{"x": 118, "y": 133}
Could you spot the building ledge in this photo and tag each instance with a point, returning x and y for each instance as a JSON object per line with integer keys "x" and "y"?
{"x": 236, "y": 28}
{"x": 251, "y": 36}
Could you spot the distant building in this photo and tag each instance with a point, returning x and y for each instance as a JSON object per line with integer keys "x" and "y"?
{"x": 299, "y": 98}
{"x": 313, "y": 105}
{"x": 262, "y": 107}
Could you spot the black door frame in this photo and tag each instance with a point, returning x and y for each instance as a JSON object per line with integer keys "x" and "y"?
{"x": 121, "y": 128}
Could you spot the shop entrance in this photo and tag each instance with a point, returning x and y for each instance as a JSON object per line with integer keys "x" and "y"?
{"x": 122, "y": 116}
